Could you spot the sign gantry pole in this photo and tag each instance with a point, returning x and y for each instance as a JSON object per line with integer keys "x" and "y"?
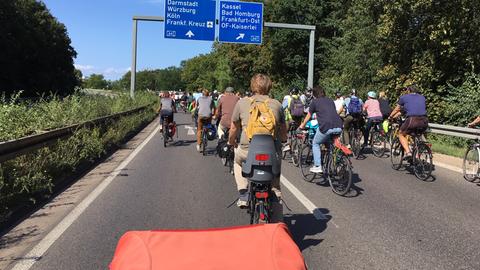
{"x": 133, "y": 69}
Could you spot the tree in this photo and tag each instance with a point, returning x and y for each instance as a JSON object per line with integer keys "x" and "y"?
{"x": 95, "y": 81}
{"x": 37, "y": 55}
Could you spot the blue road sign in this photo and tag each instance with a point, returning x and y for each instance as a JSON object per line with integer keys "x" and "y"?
{"x": 190, "y": 19}
{"x": 241, "y": 22}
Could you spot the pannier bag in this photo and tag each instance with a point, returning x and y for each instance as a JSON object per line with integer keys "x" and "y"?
{"x": 266, "y": 247}
{"x": 211, "y": 132}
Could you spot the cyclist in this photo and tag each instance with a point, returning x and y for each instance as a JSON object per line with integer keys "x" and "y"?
{"x": 225, "y": 109}
{"x": 384, "y": 105}
{"x": 205, "y": 108}
{"x": 374, "y": 114}
{"x": 329, "y": 122}
{"x": 415, "y": 109}
{"x": 353, "y": 106}
{"x": 294, "y": 110}
{"x": 166, "y": 108}
{"x": 339, "y": 101}
{"x": 260, "y": 85}
{"x": 474, "y": 122}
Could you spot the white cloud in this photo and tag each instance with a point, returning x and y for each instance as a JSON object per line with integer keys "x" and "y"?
{"x": 115, "y": 71}
{"x": 84, "y": 68}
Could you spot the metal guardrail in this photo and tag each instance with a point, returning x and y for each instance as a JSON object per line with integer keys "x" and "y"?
{"x": 462, "y": 132}
{"x": 14, "y": 148}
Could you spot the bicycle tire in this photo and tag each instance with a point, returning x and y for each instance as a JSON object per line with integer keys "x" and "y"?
{"x": 294, "y": 152}
{"x": 164, "y": 133}
{"x": 396, "y": 154}
{"x": 340, "y": 175}
{"x": 305, "y": 162}
{"x": 261, "y": 208}
{"x": 356, "y": 138}
{"x": 474, "y": 150}
{"x": 204, "y": 144}
{"x": 423, "y": 161}
{"x": 378, "y": 144}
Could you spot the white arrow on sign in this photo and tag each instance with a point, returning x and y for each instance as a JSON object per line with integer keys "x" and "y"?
{"x": 241, "y": 36}
{"x": 190, "y": 34}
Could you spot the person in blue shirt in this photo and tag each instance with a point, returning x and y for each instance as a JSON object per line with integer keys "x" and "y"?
{"x": 353, "y": 107}
{"x": 413, "y": 105}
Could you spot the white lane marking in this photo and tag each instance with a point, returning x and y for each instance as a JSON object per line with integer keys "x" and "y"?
{"x": 191, "y": 130}
{"x": 317, "y": 213}
{"x": 37, "y": 252}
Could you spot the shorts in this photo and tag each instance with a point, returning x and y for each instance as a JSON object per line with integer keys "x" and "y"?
{"x": 164, "y": 114}
{"x": 414, "y": 124}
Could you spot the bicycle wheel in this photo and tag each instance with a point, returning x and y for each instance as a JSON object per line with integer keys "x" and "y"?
{"x": 378, "y": 143}
{"x": 356, "y": 138}
{"x": 289, "y": 143}
{"x": 204, "y": 143}
{"x": 340, "y": 174}
{"x": 261, "y": 213}
{"x": 294, "y": 152}
{"x": 396, "y": 154}
{"x": 423, "y": 161}
{"x": 306, "y": 162}
{"x": 165, "y": 135}
{"x": 471, "y": 163}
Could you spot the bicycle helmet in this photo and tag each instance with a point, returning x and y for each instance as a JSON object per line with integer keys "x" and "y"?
{"x": 372, "y": 94}
{"x": 294, "y": 91}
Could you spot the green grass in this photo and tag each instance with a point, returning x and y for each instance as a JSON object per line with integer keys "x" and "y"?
{"x": 448, "y": 145}
{"x": 450, "y": 150}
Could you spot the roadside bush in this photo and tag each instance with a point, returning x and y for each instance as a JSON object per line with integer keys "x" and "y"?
{"x": 19, "y": 119}
{"x": 26, "y": 179}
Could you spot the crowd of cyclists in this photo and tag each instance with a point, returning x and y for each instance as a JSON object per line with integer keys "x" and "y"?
{"x": 230, "y": 114}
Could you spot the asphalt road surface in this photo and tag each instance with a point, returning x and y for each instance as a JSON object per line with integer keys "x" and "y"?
{"x": 390, "y": 221}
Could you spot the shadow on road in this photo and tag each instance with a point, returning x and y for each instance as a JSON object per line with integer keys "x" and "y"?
{"x": 183, "y": 143}
{"x": 355, "y": 190}
{"x": 305, "y": 228}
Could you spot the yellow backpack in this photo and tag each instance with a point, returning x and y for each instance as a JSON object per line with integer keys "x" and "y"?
{"x": 261, "y": 121}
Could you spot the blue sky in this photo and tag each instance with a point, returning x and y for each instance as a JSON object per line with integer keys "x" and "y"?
{"x": 101, "y": 33}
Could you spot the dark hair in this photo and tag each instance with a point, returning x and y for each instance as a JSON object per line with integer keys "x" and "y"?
{"x": 318, "y": 91}
{"x": 413, "y": 89}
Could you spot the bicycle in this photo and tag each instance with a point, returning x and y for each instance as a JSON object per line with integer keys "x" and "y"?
{"x": 204, "y": 141}
{"x": 471, "y": 162}
{"x": 168, "y": 129}
{"x": 422, "y": 157}
{"x": 378, "y": 139}
{"x": 292, "y": 142}
{"x": 261, "y": 167}
{"x": 226, "y": 151}
{"x": 356, "y": 136}
{"x": 336, "y": 165}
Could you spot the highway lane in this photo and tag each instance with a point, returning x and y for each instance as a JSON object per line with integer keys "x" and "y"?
{"x": 392, "y": 221}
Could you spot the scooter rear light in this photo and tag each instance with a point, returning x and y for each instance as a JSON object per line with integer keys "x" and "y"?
{"x": 261, "y": 195}
{"x": 262, "y": 157}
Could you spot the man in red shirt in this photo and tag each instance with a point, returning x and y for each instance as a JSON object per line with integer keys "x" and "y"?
{"x": 225, "y": 108}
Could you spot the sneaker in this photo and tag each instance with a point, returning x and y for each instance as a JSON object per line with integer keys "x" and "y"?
{"x": 408, "y": 156}
{"x": 286, "y": 148}
{"x": 242, "y": 201}
{"x": 198, "y": 148}
{"x": 316, "y": 169}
